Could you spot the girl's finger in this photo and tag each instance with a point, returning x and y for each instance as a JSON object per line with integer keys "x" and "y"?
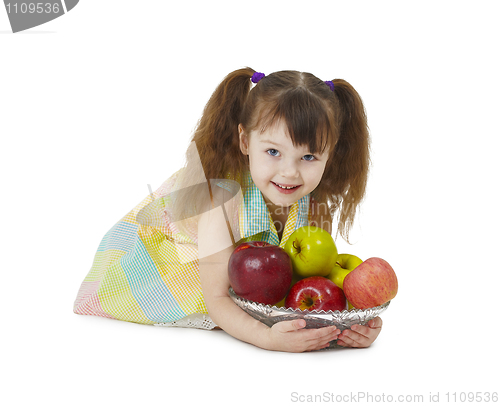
{"x": 316, "y": 339}
{"x": 320, "y": 344}
{"x": 342, "y": 343}
{"x": 363, "y": 330}
{"x": 322, "y": 334}
{"x": 375, "y": 323}
{"x": 345, "y": 341}
{"x": 354, "y": 339}
{"x": 292, "y": 325}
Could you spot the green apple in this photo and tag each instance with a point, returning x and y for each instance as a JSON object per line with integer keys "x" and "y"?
{"x": 312, "y": 250}
{"x": 345, "y": 263}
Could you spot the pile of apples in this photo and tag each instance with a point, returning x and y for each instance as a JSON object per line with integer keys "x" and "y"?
{"x": 309, "y": 274}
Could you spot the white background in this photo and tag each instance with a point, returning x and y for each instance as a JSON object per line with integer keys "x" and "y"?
{"x": 101, "y": 102}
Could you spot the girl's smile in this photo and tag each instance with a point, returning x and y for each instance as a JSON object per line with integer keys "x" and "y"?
{"x": 286, "y": 189}
{"x": 283, "y": 172}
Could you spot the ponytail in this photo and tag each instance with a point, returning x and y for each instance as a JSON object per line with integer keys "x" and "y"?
{"x": 216, "y": 135}
{"x": 344, "y": 181}
{"x": 216, "y": 147}
{"x": 348, "y": 167}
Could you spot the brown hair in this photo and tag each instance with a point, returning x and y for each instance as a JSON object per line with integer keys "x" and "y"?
{"x": 314, "y": 115}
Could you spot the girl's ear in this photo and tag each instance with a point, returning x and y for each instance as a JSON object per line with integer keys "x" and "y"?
{"x": 243, "y": 140}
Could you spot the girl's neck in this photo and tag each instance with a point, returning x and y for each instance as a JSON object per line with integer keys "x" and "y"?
{"x": 275, "y": 210}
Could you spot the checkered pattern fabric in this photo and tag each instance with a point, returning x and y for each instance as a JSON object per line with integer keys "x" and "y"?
{"x": 256, "y": 221}
{"x": 137, "y": 274}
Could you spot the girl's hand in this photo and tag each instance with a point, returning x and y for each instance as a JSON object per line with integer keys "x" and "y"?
{"x": 292, "y": 337}
{"x": 361, "y": 336}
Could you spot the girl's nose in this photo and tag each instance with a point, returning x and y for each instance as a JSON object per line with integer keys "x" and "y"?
{"x": 289, "y": 169}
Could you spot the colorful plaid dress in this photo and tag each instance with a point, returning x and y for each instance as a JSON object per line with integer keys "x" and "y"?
{"x": 138, "y": 276}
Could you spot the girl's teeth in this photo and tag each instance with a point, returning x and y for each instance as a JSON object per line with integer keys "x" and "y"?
{"x": 285, "y": 187}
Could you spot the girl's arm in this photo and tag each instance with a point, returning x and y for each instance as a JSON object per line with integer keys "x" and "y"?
{"x": 213, "y": 236}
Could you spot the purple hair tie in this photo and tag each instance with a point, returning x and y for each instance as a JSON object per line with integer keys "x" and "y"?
{"x": 257, "y": 76}
{"x": 330, "y": 85}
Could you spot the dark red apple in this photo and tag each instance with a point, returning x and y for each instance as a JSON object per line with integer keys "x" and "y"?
{"x": 371, "y": 284}
{"x": 316, "y": 293}
{"x": 260, "y": 272}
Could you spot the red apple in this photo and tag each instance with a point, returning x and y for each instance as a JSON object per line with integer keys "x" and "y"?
{"x": 371, "y": 284}
{"x": 316, "y": 293}
{"x": 260, "y": 272}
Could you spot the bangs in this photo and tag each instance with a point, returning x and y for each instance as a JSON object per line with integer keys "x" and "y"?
{"x": 307, "y": 119}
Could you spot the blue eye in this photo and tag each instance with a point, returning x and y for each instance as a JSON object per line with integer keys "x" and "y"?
{"x": 311, "y": 157}
{"x": 273, "y": 152}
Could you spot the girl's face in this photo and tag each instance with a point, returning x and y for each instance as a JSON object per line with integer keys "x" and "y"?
{"x": 282, "y": 172}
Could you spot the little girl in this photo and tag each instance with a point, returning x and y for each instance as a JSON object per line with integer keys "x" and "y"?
{"x": 290, "y": 151}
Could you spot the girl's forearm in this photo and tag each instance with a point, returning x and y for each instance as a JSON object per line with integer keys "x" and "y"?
{"x": 234, "y": 321}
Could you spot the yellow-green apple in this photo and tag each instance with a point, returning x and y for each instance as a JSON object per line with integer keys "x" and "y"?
{"x": 260, "y": 272}
{"x": 312, "y": 250}
{"x": 316, "y": 293}
{"x": 371, "y": 284}
{"x": 345, "y": 264}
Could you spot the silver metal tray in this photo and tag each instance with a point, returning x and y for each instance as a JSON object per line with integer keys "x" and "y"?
{"x": 270, "y": 315}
